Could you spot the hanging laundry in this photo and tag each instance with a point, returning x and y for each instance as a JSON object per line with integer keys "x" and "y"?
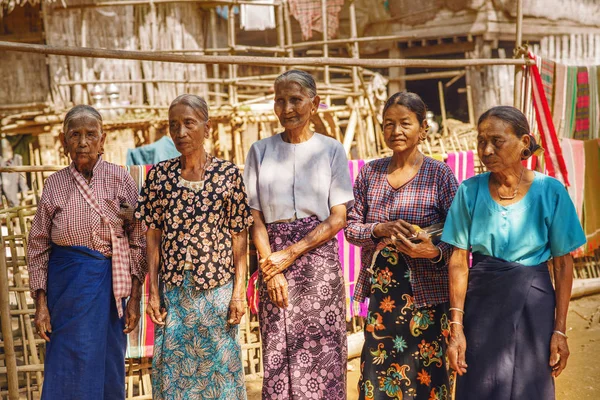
{"x": 571, "y": 102}
{"x": 547, "y": 72}
{"x": 308, "y": 14}
{"x": 555, "y": 163}
{"x": 462, "y": 163}
{"x": 153, "y": 153}
{"x": 591, "y": 197}
{"x": 257, "y": 17}
{"x": 350, "y": 255}
{"x": 531, "y": 163}
{"x": 582, "y": 111}
{"x": 575, "y": 161}
{"x": 560, "y": 93}
{"x": 223, "y": 11}
{"x": 594, "y": 102}
{"x": 140, "y": 342}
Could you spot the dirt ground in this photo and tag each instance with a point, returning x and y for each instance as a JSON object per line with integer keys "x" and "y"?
{"x": 581, "y": 379}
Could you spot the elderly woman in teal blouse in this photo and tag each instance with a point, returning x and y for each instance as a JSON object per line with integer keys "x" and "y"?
{"x": 508, "y": 323}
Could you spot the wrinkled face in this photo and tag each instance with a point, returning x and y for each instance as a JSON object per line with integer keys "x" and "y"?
{"x": 83, "y": 141}
{"x": 293, "y": 106}
{"x": 401, "y": 128}
{"x": 188, "y": 129}
{"x": 498, "y": 146}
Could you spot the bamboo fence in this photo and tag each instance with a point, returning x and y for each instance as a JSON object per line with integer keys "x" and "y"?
{"x": 153, "y": 65}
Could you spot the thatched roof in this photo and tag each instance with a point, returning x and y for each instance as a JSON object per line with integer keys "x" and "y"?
{"x": 585, "y": 12}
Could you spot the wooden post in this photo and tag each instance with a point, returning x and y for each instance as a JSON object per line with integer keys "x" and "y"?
{"x": 215, "y": 67}
{"x": 325, "y": 47}
{"x": 396, "y": 85}
{"x": 280, "y": 30}
{"x": 475, "y": 76}
{"x": 355, "y": 48}
{"x": 231, "y": 43}
{"x": 518, "y": 98}
{"x": 83, "y": 60}
{"x": 9, "y": 346}
{"x": 288, "y": 29}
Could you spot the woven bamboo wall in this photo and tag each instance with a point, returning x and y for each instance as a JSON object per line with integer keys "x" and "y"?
{"x": 163, "y": 27}
{"x": 23, "y": 75}
{"x": 572, "y": 49}
{"x": 110, "y": 27}
{"x": 23, "y": 78}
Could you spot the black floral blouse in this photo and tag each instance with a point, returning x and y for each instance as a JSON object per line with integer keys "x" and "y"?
{"x": 196, "y": 222}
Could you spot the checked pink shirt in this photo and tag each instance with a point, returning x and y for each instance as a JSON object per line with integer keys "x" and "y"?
{"x": 65, "y": 218}
{"x": 423, "y": 201}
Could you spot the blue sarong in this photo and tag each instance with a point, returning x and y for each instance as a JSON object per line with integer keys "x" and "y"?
{"x": 85, "y": 358}
{"x": 509, "y": 318}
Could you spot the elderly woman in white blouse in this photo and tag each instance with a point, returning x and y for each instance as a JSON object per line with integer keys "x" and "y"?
{"x": 299, "y": 188}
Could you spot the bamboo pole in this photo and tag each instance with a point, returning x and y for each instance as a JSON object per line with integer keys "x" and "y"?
{"x": 456, "y": 78}
{"x": 443, "y": 106}
{"x": 10, "y": 358}
{"x": 427, "y": 75}
{"x": 518, "y": 43}
{"x": 470, "y": 105}
{"x": 224, "y": 81}
{"x": 252, "y": 60}
{"x": 32, "y": 168}
{"x": 203, "y": 3}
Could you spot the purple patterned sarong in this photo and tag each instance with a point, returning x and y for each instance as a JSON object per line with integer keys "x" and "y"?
{"x": 305, "y": 345}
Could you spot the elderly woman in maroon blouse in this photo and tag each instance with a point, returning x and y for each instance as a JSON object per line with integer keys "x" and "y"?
{"x": 85, "y": 257}
{"x": 406, "y": 282}
{"x": 197, "y": 213}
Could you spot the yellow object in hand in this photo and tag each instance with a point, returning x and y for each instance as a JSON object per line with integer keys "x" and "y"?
{"x": 417, "y": 229}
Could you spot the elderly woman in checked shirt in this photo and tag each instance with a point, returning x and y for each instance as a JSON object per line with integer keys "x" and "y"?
{"x": 407, "y": 283}
{"x": 86, "y": 256}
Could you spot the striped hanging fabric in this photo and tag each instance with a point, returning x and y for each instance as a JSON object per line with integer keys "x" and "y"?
{"x": 140, "y": 342}
{"x": 350, "y": 255}
{"x": 555, "y": 163}
{"x": 462, "y": 163}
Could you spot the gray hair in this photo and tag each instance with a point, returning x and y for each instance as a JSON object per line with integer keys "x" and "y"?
{"x": 197, "y": 103}
{"x": 79, "y": 111}
{"x": 302, "y": 78}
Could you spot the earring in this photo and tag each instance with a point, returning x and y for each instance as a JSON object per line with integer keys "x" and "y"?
{"x": 525, "y": 154}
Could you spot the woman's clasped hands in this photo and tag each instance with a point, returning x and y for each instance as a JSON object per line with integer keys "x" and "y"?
{"x": 401, "y": 235}
{"x": 272, "y": 268}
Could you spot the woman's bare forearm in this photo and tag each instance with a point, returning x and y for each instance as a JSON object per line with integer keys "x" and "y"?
{"x": 153, "y": 239}
{"x": 260, "y": 236}
{"x": 563, "y": 282}
{"x": 323, "y": 233}
{"x": 240, "y": 254}
{"x": 458, "y": 273}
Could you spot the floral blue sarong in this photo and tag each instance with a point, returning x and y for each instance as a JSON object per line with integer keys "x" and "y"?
{"x": 197, "y": 354}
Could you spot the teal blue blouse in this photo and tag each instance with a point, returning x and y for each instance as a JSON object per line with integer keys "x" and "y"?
{"x": 541, "y": 225}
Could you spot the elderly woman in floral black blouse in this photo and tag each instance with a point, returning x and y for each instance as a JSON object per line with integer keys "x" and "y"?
{"x": 197, "y": 214}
